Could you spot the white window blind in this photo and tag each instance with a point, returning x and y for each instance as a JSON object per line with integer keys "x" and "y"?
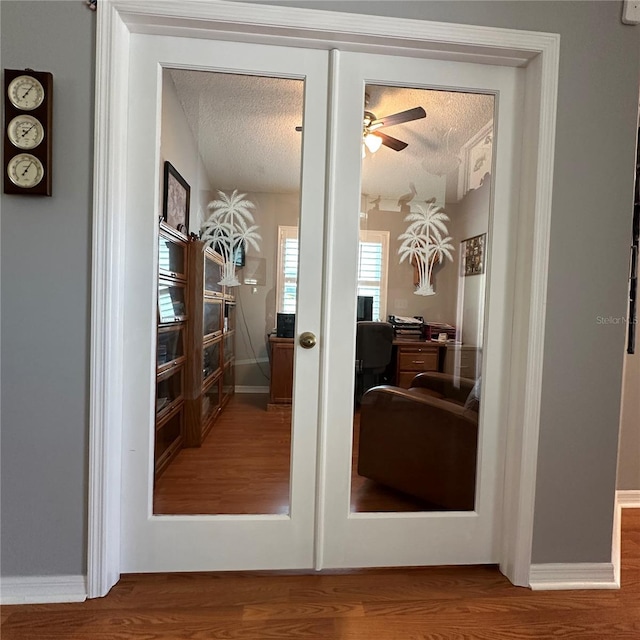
{"x": 287, "y": 283}
{"x": 372, "y": 269}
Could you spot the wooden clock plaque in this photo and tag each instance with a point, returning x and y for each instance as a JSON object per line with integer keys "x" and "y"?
{"x": 28, "y": 109}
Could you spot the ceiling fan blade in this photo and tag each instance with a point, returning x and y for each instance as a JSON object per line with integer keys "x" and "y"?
{"x": 392, "y": 143}
{"x": 398, "y": 118}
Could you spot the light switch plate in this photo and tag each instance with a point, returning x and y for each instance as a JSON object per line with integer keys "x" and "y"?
{"x": 631, "y": 12}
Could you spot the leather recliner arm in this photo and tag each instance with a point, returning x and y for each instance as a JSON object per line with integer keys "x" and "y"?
{"x": 446, "y": 385}
{"x": 383, "y": 396}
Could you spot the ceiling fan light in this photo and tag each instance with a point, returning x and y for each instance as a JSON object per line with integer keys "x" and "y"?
{"x": 373, "y": 142}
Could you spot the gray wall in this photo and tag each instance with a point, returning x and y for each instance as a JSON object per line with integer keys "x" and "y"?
{"x": 45, "y": 276}
{"x": 45, "y": 305}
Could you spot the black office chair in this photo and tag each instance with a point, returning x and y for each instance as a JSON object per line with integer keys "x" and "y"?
{"x": 374, "y": 343}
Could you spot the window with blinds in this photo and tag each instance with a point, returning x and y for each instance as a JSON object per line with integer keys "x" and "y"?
{"x": 287, "y": 284}
{"x": 372, "y": 269}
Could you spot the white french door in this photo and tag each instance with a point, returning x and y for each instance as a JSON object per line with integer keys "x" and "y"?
{"x": 418, "y": 537}
{"x": 320, "y": 530}
{"x": 215, "y": 542}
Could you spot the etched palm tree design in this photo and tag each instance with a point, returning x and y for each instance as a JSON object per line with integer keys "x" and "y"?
{"x": 426, "y": 244}
{"x": 425, "y": 220}
{"x": 440, "y": 248}
{"x": 228, "y": 228}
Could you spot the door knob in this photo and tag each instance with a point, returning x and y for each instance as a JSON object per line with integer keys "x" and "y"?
{"x": 307, "y": 340}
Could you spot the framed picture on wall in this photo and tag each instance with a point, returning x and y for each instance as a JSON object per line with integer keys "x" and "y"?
{"x": 472, "y": 251}
{"x": 175, "y": 200}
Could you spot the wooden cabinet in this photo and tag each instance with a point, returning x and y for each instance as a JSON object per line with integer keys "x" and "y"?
{"x": 211, "y": 343}
{"x": 412, "y": 358}
{"x": 409, "y": 358}
{"x": 170, "y": 350}
{"x": 281, "y": 384}
{"x": 171, "y": 355}
{"x": 169, "y": 436}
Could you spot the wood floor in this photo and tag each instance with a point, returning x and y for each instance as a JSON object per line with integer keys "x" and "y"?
{"x": 243, "y": 467}
{"x": 437, "y": 603}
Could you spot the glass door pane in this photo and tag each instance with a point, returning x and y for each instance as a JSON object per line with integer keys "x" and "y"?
{"x": 170, "y": 347}
{"x": 239, "y": 137}
{"x": 172, "y": 254}
{"x": 428, "y": 188}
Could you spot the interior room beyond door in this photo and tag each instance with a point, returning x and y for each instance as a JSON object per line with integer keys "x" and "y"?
{"x": 232, "y": 141}
{"x": 426, "y": 186}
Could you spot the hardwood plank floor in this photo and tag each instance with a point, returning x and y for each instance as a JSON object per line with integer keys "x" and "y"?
{"x": 243, "y": 467}
{"x": 436, "y": 603}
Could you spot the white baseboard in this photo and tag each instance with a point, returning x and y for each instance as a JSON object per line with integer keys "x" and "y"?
{"x": 42, "y": 589}
{"x": 578, "y": 575}
{"x": 251, "y": 389}
{"x": 587, "y": 575}
{"x": 628, "y": 499}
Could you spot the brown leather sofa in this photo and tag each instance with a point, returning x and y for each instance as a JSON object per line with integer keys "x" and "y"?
{"x": 423, "y": 440}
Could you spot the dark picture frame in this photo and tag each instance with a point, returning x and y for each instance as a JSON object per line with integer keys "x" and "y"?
{"x": 473, "y": 255}
{"x": 175, "y": 199}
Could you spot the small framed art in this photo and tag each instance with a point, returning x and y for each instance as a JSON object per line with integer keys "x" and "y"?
{"x": 473, "y": 254}
{"x": 175, "y": 201}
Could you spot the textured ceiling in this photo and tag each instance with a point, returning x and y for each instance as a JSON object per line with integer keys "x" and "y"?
{"x": 245, "y": 128}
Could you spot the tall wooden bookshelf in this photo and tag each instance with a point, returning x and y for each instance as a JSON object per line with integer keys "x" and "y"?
{"x": 211, "y": 343}
{"x": 196, "y": 332}
{"x": 171, "y": 355}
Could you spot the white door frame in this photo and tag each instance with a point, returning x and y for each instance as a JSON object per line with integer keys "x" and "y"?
{"x": 537, "y": 53}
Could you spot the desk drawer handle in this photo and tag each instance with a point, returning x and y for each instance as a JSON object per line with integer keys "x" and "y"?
{"x": 417, "y": 362}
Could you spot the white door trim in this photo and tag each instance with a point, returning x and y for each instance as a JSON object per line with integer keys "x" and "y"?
{"x": 537, "y": 52}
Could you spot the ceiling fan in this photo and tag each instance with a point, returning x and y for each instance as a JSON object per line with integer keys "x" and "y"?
{"x": 373, "y": 138}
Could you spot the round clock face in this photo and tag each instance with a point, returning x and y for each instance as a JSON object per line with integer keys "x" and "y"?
{"x": 25, "y": 132}
{"x": 25, "y": 170}
{"x": 25, "y": 92}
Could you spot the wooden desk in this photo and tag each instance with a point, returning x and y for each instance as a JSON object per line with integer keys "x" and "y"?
{"x": 411, "y": 357}
{"x": 281, "y": 383}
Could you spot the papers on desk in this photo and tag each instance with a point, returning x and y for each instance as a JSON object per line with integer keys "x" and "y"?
{"x": 407, "y": 327}
{"x": 406, "y": 320}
